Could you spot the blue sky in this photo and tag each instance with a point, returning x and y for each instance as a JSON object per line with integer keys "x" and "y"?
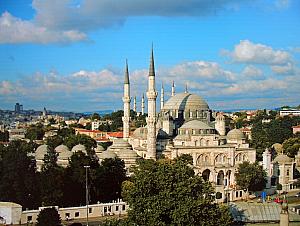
{"x": 70, "y": 54}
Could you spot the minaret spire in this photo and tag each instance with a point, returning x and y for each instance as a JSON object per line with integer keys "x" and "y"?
{"x": 186, "y": 88}
{"x": 151, "y": 119}
{"x": 126, "y": 101}
{"x": 134, "y": 104}
{"x": 162, "y": 96}
{"x": 143, "y": 104}
{"x": 173, "y": 89}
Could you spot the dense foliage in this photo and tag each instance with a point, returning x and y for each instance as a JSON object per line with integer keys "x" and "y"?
{"x": 251, "y": 176}
{"x": 54, "y": 185}
{"x": 35, "y": 132}
{"x": 48, "y": 217}
{"x": 168, "y": 192}
{"x": 264, "y": 135}
{"x": 4, "y": 136}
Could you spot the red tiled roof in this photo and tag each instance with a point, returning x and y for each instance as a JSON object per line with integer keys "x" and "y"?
{"x": 115, "y": 134}
{"x": 298, "y": 126}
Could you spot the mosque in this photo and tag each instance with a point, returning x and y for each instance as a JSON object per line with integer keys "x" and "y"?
{"x": 185, "y": 125}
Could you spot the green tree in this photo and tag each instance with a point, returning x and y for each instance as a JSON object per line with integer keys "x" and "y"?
{"x": 291, "y": 146}
{"x": 4, "y": 136}
{"x": 51, "y": 180}
{"x": 35, "y": 132}
{"x": 109, "y": 178}
{"x": 65, "y": 132}
{"x": 18, "y": 180}
{"x": 251, "y": 177}
{"x": 95, "y": 116}
{"x": 83, "y": 139}
{"x": 48, "y": 217}
{"x": 54, "y": 141}
{"x": 168, "y": 192}
{"x": 74, "y": 180}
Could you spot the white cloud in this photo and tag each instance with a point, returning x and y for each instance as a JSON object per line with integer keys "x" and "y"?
{"x": 249, "y": 52}
{"x": 283, "y": 69}
{"x": 15, "y": 30}
{"x": 70, "y": 21}
{"x": 251, "y": 71}
{"x": 199, "y": 70}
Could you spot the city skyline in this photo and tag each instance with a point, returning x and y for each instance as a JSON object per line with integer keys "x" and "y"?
{"x": 70, "y": 55}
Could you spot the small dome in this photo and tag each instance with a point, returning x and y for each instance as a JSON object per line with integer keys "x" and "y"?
{"x": 107, "y": 155}
{"x": 65, "y": 155}
{"x": 277, "y": 147}
{"x": 79, "y": 147}
{"x": 235, "y": 134}
{"x": 119, "y": 143}
{"x": 281, "y": 158}
{"x": 195, "y": 124}
{"x": 99, "y": 148}
{"x": 41, "y": 151}
{"x": 61, "y": 148}
{"x": 185, "y": 101}
{"x": 140, "y": 133}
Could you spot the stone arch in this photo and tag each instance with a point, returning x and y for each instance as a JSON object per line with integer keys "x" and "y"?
{"x": 221, "y": 158}
{"x": 206, "y": 174}
{"x": 220, "y": 178}
{"x": 203, "y": 159}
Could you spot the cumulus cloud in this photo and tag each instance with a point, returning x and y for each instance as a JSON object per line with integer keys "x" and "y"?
{"x": 249, "y": 52}
{"x": 251, "y": 71}
{"x": 283, "y": 69}
{"x": 15, "y": 30}
{"x": 199, "y": 70}
{"x": 70, "y": 21}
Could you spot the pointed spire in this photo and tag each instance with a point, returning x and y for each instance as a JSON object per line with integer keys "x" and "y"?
{"x": 173, "y": 89}
{"x": 151, "y": 67}
{"x": 126, "y": 81}
{"x": 186, "y": 88}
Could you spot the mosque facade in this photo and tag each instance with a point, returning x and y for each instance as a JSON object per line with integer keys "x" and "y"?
{"x": 185, "y": 125}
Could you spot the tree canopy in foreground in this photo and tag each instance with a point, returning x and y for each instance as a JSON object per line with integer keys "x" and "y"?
{"x": 167, "y": 192}
{"x": 251, "y": 176}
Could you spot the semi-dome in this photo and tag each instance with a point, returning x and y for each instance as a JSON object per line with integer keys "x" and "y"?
{"x": 281, "y": 159}
{"x": 195, "y": 124}
{"x": 61, "y": 148}
{"x": 79, "y": 147}
{"x": 107, "y": 155}
{"x": 41, "y": 151}
{"x": 235, "y": 134}
{"x": 99, "y": 149}
{"x": 184, "y": 101}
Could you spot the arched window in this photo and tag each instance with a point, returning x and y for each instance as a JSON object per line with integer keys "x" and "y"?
{"x": 220, "y": 178}
{"x": 221, "y": 158}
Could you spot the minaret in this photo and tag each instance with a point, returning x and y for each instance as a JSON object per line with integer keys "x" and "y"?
{"x": 134, "y": 104}
{"x": 151, "y": 119}
{"x": 173, "y": 89}
{"x": 126, "y": 101}
{"x": 143, "y": 104}
{"x": 220, "y": 124}
{"x": 186, "y": 88}
{"x": 162, "y": 96}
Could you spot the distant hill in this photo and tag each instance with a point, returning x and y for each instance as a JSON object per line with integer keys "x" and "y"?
{"x": 101, "y": 113}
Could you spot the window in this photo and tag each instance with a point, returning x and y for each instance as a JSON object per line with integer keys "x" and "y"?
{"x": 123, "y": 207}
{"x": 287, "y": 172}
{"x": 29, "y": 218}
{"x": 90, "y": 210}
{"x": 237, "y": 194}
{"x": 105, "y": 209}
{"x": 76, "y": 214}
{"x": 67, "y": 215}
{"x": 117, "y": 208}
{"x": 241, "y": 193}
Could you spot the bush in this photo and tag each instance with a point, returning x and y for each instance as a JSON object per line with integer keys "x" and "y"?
{"x": 48, "y": 217}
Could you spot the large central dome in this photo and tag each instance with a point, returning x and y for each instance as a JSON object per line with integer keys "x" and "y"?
{"x": 185, "y": 101}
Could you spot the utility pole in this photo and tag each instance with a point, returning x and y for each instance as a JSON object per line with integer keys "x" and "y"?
{"x": 87, "y": 194}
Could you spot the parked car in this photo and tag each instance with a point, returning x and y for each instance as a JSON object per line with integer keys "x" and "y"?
{"x": 298, "y": 194}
